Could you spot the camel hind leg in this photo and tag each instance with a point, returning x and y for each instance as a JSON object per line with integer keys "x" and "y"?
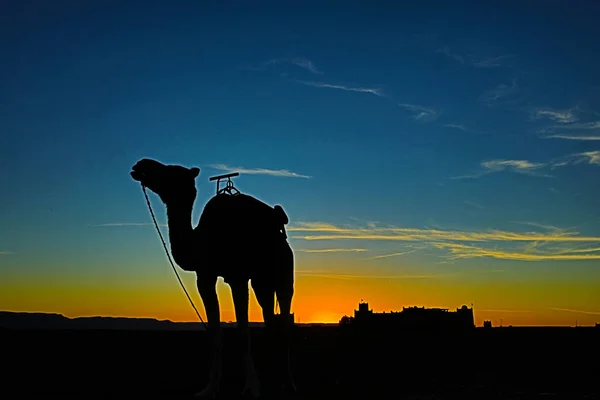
{"x": 265, "y": 295}
{"x": 284, "y": 290}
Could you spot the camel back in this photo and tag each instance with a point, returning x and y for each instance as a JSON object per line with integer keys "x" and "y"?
{"x": 243, "y": 214}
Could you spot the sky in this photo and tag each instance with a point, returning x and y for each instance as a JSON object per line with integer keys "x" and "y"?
{"x": 430, "y": 154}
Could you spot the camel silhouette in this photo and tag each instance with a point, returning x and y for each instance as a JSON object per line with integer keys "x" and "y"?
{"x": 240, "y": 239}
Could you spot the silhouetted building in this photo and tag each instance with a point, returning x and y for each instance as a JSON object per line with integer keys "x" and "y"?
{"x": 412, "y": 318}
{"x": 487, "y": 324}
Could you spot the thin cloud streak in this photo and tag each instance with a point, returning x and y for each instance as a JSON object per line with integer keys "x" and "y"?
{"x": 533, "y": 168}
{"x": 492, "y": 62}
{"x": 420, "y": 113}
{"x": 306, "y": 64}
{"x": 297, "y": 61}
{"x": 376, "y": 91}
{"x": 543, "y": 226}
{"x": 518, "y": 166}
{"x": 460, "y": 244}
{"x": 500, "y": 92}
{"x": 331, "y": 250}
{"x": 473, "y": 204}
{"x": 115, "y": 224}
{"x": 580, "y": 126}
{"x": 391, "y": 255}
{"x": 260, "y": 171}
{"x": 448, "y": 53}
{"x": 502, "y": 311}
{"x": 459, "y": 251}
{"x": 363, "y": 277}
{"x": 473, "y": 61}
{"x": 575, "y": 311}
{"x": 561, "y": 116}
{"x": 570, "y": 137}
{"x": 415, "y": 234}
{"x": 587, "y": 157}
{"x": 457, "y": 126}
{"x": 6, "y": 253}
{"x": 459, "y": 237}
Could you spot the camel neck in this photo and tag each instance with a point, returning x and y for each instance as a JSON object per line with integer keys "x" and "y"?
{"x": 180, "y": 233}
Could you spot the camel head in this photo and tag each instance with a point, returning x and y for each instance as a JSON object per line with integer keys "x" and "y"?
{"x": 174, "y": 184}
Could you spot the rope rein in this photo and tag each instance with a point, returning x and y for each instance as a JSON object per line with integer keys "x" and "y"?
{"x": 169, "y": 258}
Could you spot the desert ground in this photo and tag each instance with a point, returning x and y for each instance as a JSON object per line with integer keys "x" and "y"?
{"x": 328, "y": 363}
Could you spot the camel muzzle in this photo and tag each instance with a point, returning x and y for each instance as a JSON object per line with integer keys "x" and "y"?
{"x": 138, "y": 176}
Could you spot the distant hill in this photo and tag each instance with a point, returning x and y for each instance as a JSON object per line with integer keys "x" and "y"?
{"x": 26, "y": 320}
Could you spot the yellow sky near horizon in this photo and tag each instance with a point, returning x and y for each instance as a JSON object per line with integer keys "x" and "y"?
{"x": 328, "y": 290}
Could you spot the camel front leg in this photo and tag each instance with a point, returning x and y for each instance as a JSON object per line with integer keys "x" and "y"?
{"x": 208, "y": 292}
{"x": 239, "y": 292}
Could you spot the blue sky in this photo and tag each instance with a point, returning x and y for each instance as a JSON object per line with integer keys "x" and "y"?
{"x": 474, "y": 118}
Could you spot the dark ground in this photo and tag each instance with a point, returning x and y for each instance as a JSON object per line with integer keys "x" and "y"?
{"x": 507, "y": 363}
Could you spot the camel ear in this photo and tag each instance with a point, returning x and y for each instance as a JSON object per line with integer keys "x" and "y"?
{"x": 195, "y": 171}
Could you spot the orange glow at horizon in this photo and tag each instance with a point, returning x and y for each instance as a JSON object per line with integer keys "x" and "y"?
{"x": 318, "y": 298}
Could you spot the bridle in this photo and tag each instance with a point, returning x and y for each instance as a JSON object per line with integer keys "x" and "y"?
{"x": 169, "y": 257}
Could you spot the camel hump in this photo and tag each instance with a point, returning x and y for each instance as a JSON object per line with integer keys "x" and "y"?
{"x": 282, "y": 217}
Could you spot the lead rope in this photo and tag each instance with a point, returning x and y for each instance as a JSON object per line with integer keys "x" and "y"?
{"x": 169, "y": 257}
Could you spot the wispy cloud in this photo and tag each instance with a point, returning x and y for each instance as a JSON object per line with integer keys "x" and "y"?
{"x": 328, "y": 275}
{"x": 391, "y": 255}
{"x": 565, "y": 116}
{"x": 522, "y": 166}
{"x": 111, "y": 224}
{"x": 591, "y": 157}
{"x": 348, "y": 88}
{"x": 457, "y": 126}
{"x": 474, "y": 61}
{"x": 301, "y": 62}
{"x": 466, "y": 129}
{"x": 543, "y": 226}
{"x": 492, "y": 62}
{"x": 575, "y": 311}
{"x": 572, "y": 137}
{"x": 6, "y": 253}
{"x": 579, "y": 126}
{"x": 490, "y": 310}
{"x": 533, "y": 168}
{"x": 557, "y": 244}
{"x": 306, "y": 64}
{"x": 331, "y": 250}
{"x": 518, "y": 166}
{"x": 583, "y": 131}
{"x": 420, "y": 113}
{"x": 460, "y": 251}
{"x": 587, "y": 157}
{"x": 260, "y": 171}
{"x": 473, "y": 204}
{"x": 449, "y": 53}
{"x": 500, "y": 92}
{"x": 298, "y": 61}
{"x": 416, "y": 234}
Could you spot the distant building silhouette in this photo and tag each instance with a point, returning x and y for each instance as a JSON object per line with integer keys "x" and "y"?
{"x": 487, "y": 324}
{"x": 412, "y": 318}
